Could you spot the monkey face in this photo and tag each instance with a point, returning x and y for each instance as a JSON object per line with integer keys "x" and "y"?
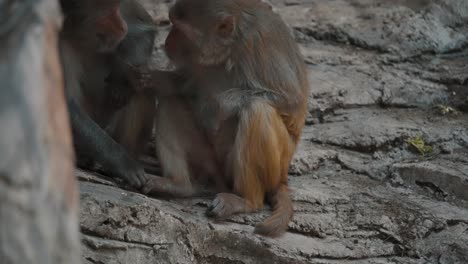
{"x": 111, "y": 29}
{"x": 99, "y": 26}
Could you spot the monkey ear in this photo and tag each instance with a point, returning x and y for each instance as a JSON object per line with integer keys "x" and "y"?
{"x": 226, "y": 26}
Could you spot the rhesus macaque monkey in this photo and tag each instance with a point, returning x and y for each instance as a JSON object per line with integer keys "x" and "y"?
{"x": 234, "y": 108}
{"x": 101, "y": 41}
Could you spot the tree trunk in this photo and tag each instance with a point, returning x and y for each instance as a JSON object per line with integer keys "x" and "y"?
{"x": 38, "y": 192}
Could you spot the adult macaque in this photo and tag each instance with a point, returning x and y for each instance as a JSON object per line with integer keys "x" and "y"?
{"x": 236, "y": 106}
{"x": 101, "y": 41}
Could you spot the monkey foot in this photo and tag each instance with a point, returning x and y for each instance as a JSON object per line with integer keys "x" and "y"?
{"x": 225, "y": 205}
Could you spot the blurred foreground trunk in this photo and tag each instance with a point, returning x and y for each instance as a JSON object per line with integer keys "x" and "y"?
{"x": 38, "y": 191}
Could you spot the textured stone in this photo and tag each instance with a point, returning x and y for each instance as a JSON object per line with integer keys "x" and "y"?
{"x": 361, "y": 193}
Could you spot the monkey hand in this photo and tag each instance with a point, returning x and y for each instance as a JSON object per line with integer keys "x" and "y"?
{"x": 129, "y": 170}
{"x": 141, "y": 80}
{"x": 151, "y": 186}
{"x": 158, "y": 82}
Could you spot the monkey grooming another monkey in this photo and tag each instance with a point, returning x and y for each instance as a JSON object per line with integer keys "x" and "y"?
{"x": 234, "y": 109}
{"x": 101, "y": 41}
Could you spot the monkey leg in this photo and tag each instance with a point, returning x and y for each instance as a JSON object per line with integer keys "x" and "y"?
{"x": 259, "y": 163}
{"x": 133, "y": 124}
{"x": 180, "y": 143}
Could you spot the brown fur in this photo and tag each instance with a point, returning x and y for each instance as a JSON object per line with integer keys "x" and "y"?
{"x": 243, "y": 92}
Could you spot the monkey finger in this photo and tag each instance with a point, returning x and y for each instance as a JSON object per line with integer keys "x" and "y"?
{"x": 216, "y": 213}
{"x": 138, "y": 177}
{"x": 216, "y": 202}
{"x": 135, "y": 182}
{"x": 148, "y": 186}
{"x": 146, "y": 189}
{"x": 143, "y": 178}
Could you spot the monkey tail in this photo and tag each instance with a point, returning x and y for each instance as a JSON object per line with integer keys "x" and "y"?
{"x": 277, "y": 223}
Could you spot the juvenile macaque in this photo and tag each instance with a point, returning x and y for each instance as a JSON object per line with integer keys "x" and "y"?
{"x": 234, "y": 108}
{"x": 101, "y": 41}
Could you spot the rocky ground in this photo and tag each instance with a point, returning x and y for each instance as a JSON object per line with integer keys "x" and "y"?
{"x": 381, "y": 174}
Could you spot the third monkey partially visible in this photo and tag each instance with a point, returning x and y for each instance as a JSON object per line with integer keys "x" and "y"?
{"x": 99, "y": 42}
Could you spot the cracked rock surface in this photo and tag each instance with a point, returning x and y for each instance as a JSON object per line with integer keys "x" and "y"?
{"x": 383, "y": 73}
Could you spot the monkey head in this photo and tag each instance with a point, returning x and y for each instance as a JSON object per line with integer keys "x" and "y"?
{"x": 204, "y": 31}
{"x": 96, "y": 24}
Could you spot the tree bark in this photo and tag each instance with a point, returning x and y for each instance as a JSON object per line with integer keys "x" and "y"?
{"x": 38, "y": 191}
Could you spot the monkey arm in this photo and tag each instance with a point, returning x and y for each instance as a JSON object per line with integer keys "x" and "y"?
{"x": 163, "y": 83}
{"x": 90, "y": 139}
{"x": 89, "y": 136}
